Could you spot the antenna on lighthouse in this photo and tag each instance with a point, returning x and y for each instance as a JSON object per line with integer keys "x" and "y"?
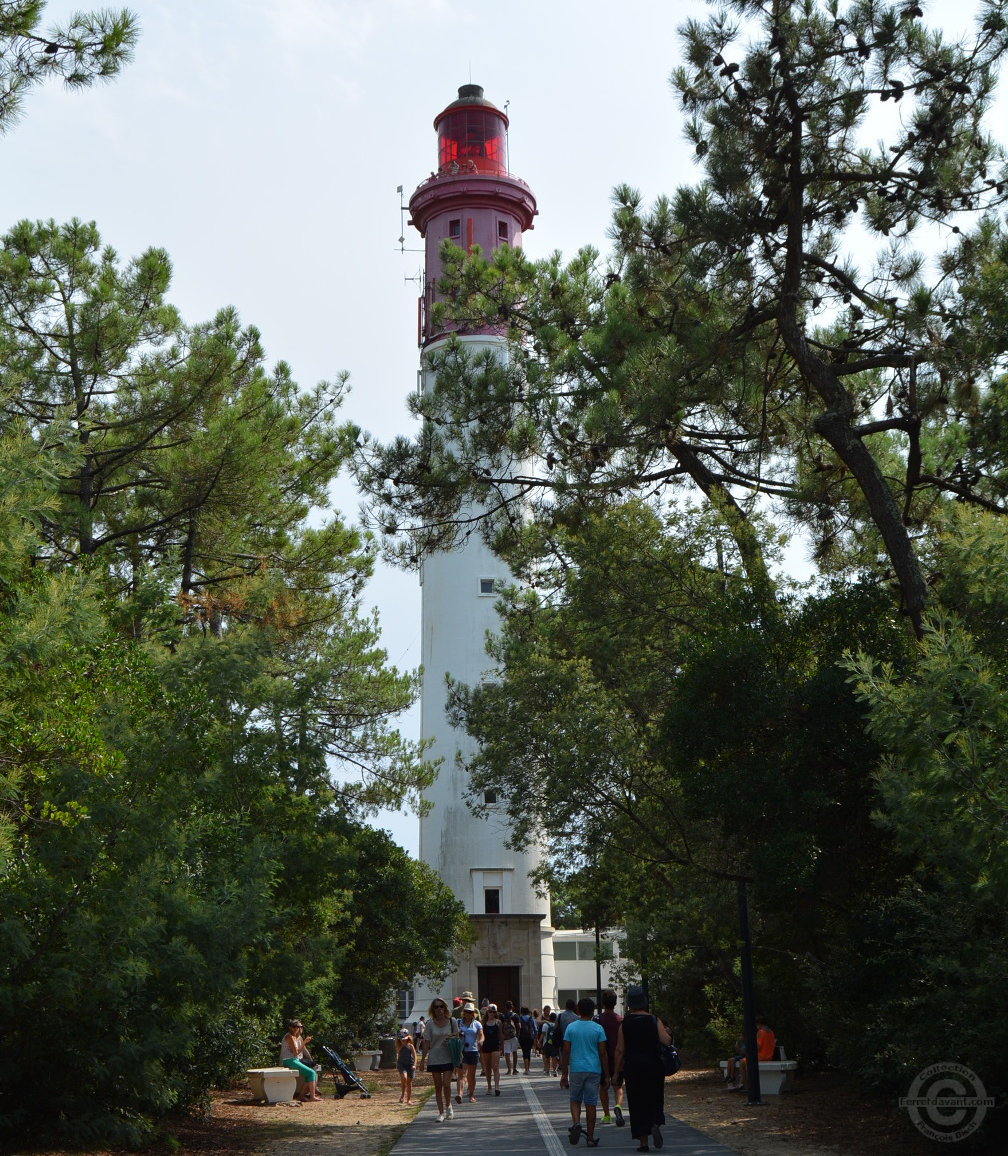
{"x": 418, "y": 276}
{"x": 402, "y": 228}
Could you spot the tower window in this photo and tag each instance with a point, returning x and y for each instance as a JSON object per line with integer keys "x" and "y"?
{"x": 405, "y": 1000}
{"x": 455, "y": 228}
{"x": 486, "y": 587}
{"x": 489, "y": 797}
{"x": 502, "y": 230}
{"x": 491, "y": 900}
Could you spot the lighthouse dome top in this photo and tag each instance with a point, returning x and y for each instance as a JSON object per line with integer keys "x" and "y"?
{"x": 471, "y": 134}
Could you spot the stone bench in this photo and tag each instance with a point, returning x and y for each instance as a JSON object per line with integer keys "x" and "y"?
{"x": 274, "y": 1085}
{"x": 775, "y": 1076}
{"x": 366, "y": 1061}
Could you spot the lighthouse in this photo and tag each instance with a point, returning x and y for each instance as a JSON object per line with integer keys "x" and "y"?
{"x": 472, "y": 199}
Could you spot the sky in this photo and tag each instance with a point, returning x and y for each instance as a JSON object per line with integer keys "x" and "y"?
{"x": 261, "y": 143}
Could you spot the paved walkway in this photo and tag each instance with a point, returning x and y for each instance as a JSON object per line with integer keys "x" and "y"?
{"x": 529, "y": 1117}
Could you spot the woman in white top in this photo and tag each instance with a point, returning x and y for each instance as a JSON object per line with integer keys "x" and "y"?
{"x": 440, "y": 1027}
{"x": 293, "y": 1051}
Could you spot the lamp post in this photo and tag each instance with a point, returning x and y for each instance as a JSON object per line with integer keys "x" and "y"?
{"x": 748, "y": 999}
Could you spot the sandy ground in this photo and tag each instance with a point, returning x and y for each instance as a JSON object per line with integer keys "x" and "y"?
{"x": 823, "y": 1116}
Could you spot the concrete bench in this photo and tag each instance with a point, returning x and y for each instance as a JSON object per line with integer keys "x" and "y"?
{"x": 274, "y": 1085}
{"x": 775, "y": 1076}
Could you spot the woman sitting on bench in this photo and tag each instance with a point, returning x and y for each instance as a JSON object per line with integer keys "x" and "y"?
{"x": 293, "y": 1051}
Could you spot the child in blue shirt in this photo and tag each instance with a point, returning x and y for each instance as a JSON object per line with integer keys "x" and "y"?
{"x": 583, "y": 1065}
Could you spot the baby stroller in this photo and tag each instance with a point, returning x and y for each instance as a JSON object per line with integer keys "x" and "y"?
{"x": 344, "y": 1079}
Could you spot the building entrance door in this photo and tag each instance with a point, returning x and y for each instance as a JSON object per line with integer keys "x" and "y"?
{"x": 499, "y": 984}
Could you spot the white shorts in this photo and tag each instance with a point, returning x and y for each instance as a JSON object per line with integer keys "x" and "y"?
{"x": 510, "y": 1047}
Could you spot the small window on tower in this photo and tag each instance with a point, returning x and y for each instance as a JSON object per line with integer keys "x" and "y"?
{"x": 489, "y": 797}
{"x": 455, "y": 228}
{"x": 502, "y": 230}
{"x": 491, "y": 900}
{"x": 486, "y": 586}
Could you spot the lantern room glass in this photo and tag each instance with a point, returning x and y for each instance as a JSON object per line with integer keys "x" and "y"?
{"x": 473, "y": 139}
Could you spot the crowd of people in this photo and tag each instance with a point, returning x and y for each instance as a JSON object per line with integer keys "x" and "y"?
{"x": 598, "y": 1058}
{"x": 593, "y": 1056}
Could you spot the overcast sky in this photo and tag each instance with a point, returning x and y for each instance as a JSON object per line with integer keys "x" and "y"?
{"x": 261, "y": 144}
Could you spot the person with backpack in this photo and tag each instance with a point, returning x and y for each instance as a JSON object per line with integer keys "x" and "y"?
{"x": 567, "y": 1016}
{"x": 550, "y": 1052}
{"x": 526, "y": 1036}
{"x": 509, "y": 1038}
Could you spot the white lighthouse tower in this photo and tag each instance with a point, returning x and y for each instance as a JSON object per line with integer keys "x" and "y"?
{"x": 472, "y": 199}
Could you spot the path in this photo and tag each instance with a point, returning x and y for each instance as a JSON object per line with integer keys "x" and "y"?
{"x": 531, "y": 1116}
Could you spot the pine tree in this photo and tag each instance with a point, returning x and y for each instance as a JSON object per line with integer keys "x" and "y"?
{"x": 93, "y": 46}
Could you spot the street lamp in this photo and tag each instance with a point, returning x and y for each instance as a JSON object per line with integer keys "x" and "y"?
{"x": 748, "y": 999}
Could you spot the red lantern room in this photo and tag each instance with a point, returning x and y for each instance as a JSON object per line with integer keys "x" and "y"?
{"x": 471, "y": 199}
{"x": 472, "y": 134}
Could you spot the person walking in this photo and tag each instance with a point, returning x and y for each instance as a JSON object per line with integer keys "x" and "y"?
{"x": 440, "y": 1027}
{"x": 472, "y": 1040}
{"x": 418, "y": 1031}
{"x": 610, "y": 1022}
{"x": 405, "y": 1065}
{"x": 567, "y": 1016}
{"x": 550, "y": 1051}
{"x": 584, "y": 1066}
{"x": 638, "y": 1059}
{"x": 491, "y": 1048}
{"x": 509, "y": 1025}
{"x": 526, "y": 1036}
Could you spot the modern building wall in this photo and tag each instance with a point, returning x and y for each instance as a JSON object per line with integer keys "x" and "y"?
{"x": 574, "y": 954}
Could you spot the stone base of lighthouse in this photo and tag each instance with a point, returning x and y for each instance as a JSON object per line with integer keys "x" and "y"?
{"x": 511, "y": 959}
{"x": 506, "y": 962}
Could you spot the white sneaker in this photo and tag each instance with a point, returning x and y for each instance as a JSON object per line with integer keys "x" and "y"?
{"x": 451, "y": 1112}
{"x": 440, "y": 1118}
